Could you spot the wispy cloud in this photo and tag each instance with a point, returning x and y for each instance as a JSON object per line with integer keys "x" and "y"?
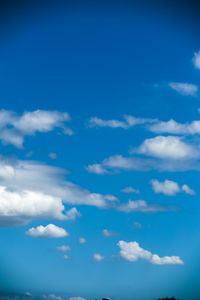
{"x": 130, "y": 189}
{"x": 143, "y": 206}
{"x": 196, "y": 59}
{"x": 185, "y": 89}
{"x": 108, "y": 233}
{"x": 131, "y": 251}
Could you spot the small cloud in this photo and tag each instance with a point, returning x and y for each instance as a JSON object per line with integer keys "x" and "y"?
{"x": 82, "y": 240}
{"x": 185, "y": 89}
{"x": 65, "y": 256}
{"x": 28, "y": 294}
{"x": 72, "y": 214}
{"x": 96, "y": 169}
{"x": 53, "y": 155}
{"x": 187, "y": 189}
{"x": 170, "y": 188}
{"x": 76, "y": 298}
{"x": 137, "y": 225}
{"x": 52, "y": 297}
{"x": 108, "y": 233}
{"x": 130, "y": 189}
{"x": 49, "y": 231}
{"x": 29, "y": 154}
{"x": 63, "y": 248}
{"x": 196, "y": 59}
{"x": 98, "y": 257}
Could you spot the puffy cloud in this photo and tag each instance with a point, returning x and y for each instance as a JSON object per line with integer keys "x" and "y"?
{"x": 131, "y": 251}
{"x": 170, "y": 188}
{"x": 72, "y": 214}
{"x": 31, "y": 190}
{"x": 130, "y": 189}
{"x": 142, "y": 206}
{"x": 196, "y": 59}
{"x": 82, "y": 240}
{"x": 108, "y": 233}
{"x": 63, "y": 248}
{"x": 173, "y": 127}
{"x": 185, "y": 89}
{"x": 168, "y": 147}
{"x": 14, "y": 128}
{"x": 49, "y": 231}
{"x": 128, "y": 122}
{"x": 98, "y": 257}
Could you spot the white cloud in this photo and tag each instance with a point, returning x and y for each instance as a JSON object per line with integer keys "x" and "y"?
{"x": 170, "y": 188}
{"x": 82, "y": 240}
{"x": 130, "y": 189}
{"x": 72, "y": 214}
{"x": 185, "y": 89}
{"x": 49, "y": 231}
{"x": 14, "y": 128}
{"x": 142, "y": 206}
{"x": 31, "y": 190}
{"x": 52, "y": 297}
{"x": 63, "y": 248}
{"x": 108, "y": 233}
{"x": 131, "y": 251}
{"x": 128, "y": 122}
{"x": 96, "y": 168}
{"x": 196, "y": 59}
{"x": 53, "y": 155}
{"x": 98, "y": 257}
{"x": 173, "y": 127}
{"x": 168, "y": 147}
{"x": 187, "y": 190}
{"x": 76, "y": 298}
{"x": 28, "y": 294}
{"x": 65, "y": 256}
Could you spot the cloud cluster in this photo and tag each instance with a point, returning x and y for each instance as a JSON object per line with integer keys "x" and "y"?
{"x": 49, "y": 231}
{"x": 13, "y": 128}
{"x": 185, "y": 89}
{"x": 170, "y": 188}
{"x": 131, "y": 251}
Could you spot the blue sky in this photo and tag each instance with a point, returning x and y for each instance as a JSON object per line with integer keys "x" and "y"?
{"x": 99, "y": 130}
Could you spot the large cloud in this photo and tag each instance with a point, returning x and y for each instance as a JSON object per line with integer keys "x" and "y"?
{"x": 14, "y": 128}
{"x": 31, "y": 190}
{"x": 131, "y": 251}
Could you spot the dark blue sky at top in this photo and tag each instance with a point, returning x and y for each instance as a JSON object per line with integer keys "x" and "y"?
{"x": 103, "y": 60}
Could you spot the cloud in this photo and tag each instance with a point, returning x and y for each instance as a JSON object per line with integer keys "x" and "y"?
{"x": 63, "y": 248}
{"x": 32, "y": 190}
{"x": 170, "y": 188}
{"x": 196, "y": 59}
{"x": 53, "y": 155}
{"x": 52, "y": 297}
{"x": 28, "y": 294}
{"x": 82, "y": 240}
{"x": 128, "y": 122}
{"x": 14, "y": 128}
{"x": 137, "y": 225}
{"x": 49, "y": 231}
{"x": 131, "y": 251}
{"x": 96, "y": 168}
{"x": 108, "y": 233}
{"x": 72, "y": 214}
{"x": 98, "y": 257}
{"x": 130, "y": 189}
{"x": 173, "y": 127}
{"x": 76, "y": 298}
{"x": 168, "y": 147}
{"x": 65, "y": 256}
{"x": 143, "y": 206}
{"x": 185, "y": 89}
